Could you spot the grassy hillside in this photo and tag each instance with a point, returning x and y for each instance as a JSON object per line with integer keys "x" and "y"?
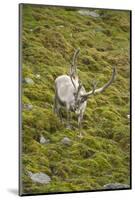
{"x": 49, "y": 38}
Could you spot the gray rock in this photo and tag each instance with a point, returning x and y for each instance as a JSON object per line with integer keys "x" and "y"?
{"x": 29, "y": 81}
{"x": 39, "y": 177}
{"x": 89, "y": 13}
{"x": 115, "y": 186}
{"x": 66, "y": 141}
{"x": 28, "y": 106}
{"x": 43, "y": 140}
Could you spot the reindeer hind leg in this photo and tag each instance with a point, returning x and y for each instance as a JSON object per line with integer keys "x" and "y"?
{"x": 57, "y": 109}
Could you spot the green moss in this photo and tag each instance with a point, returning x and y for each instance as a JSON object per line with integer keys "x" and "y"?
{"x": 102, "y": 162}
{"x": 49, "y": 37}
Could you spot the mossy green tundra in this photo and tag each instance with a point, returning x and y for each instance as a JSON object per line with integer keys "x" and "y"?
{"x": 49, "y": 37}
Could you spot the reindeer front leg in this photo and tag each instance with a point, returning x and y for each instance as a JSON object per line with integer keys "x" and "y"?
{"x": 68, "y": 116}
{"x": 80, "y": 118}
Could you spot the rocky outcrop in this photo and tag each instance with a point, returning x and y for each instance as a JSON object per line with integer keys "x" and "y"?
{"x": 66, "y": 141}
{"x": 43, "y": 140}
{"x": 89, "y": 13}
{"x": 112, "y": 186}
{"x": 28, "y": 81}
{"x": 39, "y": 177}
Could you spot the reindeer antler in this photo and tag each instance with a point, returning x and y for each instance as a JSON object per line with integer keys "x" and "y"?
{"x": 78, "y": 90}
{"x": 71, "y": 77}
{"x": 87, "y": 94}
{"x": 73, "y": 67}
{"x": 94, "y": 85}
{"x": 73, "y": 63}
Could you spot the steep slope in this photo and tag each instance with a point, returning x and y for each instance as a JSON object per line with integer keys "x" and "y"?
{"x": 49, "y": 37}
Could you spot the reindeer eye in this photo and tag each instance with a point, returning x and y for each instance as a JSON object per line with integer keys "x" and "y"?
{"x": 82, "y": 100}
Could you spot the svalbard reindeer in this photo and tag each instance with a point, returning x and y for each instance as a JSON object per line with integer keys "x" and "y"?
{"x": 71, "y": 94}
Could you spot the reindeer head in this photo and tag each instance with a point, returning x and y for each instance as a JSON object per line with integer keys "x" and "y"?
{"x": 80, "y": 95}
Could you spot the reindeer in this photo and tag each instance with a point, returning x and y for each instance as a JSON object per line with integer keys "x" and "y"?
{"x": 71, "y": 94}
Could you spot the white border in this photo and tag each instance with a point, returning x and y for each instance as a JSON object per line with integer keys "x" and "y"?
{"x": 9, "y": 98}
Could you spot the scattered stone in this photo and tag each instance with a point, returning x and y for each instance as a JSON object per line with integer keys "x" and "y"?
{"x": 115, "y": 186}
{"x": 29, "y": 81}
{"x": 28, "y": 106}
{"x": 128, "y": 116}
{"x": 37, "y": 76}
{"x": 89, "y": 13}
{"x": 43, "y": 140}
{"x": 94, "y": 14}
{"x": 39, "y": 177}
{"x": 66, "y": 141}
{"x": 61, "y": 26}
